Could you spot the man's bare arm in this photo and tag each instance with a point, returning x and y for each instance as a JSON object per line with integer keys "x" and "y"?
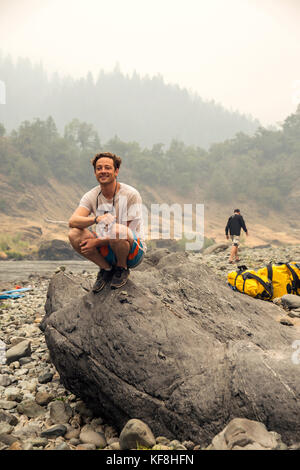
{"x": 81, "y": 218}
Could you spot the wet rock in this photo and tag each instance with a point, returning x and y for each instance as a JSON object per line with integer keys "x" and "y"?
{"x": 54, "y": 431}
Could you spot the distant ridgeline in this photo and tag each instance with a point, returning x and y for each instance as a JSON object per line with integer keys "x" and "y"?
{"x": 135, "y": 108}
{"x": 263, "y": 168}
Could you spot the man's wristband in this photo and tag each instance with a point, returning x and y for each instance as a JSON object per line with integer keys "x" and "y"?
{"x": 95, "y": 220}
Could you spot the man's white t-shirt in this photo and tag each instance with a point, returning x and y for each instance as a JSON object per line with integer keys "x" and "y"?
{"x": 126, "y": 206}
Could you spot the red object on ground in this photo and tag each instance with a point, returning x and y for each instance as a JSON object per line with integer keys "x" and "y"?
{"x": 18, "y": 287}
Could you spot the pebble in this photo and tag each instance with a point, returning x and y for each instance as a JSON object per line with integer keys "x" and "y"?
{"x": 7, "y": 405}
{"x": 8, "y": 418}
{"x": 5, "y": 428}
{"x": 286, "y": 321}
{"x": 45, "y": 378}
{"x": 88, "y": 436}
{"x": 136, "y": 432}
{"x": 60, "y": 412}
{"x": 54, "y": 431}
{"x": 13, "y": 394}
{"x": 43, "y": 398}
{"x": 5, "y": 381}
{"x": 16, "y": 446}
{"x": 62, "y": 446}
{"x": 86, "y": 447}
{"x": 30, "y": 408}
{"x": 8, "y": 439}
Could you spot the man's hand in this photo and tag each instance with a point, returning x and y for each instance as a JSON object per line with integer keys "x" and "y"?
{"x": 107, "y": 219}
{"x": 247, "y": 233}
{"x": 227, "y": 236}
{"x": 87, "y": 246}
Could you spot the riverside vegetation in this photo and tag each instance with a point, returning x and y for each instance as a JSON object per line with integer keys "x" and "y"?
{"x": 268, "y": 162}
{"x": 37, "y": 412}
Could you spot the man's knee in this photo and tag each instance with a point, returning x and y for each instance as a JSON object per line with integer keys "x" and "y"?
{"x": 76, "y": 235}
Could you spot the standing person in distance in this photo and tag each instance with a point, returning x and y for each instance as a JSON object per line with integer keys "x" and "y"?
{"x": 234, "y": 225}
{"x": 116, "y": 209}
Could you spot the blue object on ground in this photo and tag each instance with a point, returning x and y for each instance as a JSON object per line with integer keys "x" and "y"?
{"x": 15, "y": 290}
{"x": 14, "y": 293}
{"x": 11, "y": 296}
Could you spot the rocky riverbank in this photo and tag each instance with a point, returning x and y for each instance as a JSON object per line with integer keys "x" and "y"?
{"x": 37, "y": 412}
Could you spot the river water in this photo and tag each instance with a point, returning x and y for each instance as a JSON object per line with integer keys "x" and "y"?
{"x": 20, "y": 270}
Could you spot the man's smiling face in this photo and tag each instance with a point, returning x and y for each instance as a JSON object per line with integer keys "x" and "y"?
{"x": 105, "y": 171}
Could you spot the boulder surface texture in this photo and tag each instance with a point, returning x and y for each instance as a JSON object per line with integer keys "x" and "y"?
{"x": 176, "y": 348}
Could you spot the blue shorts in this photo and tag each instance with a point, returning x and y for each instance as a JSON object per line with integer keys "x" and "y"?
{"x": 135, "y": 255}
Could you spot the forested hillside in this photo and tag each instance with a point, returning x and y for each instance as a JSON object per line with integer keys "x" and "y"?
{"x": 142, "y": 109}
{"x": 263, "y": 169}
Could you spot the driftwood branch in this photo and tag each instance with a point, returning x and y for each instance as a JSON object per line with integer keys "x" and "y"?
{"x": 59, "y": 222}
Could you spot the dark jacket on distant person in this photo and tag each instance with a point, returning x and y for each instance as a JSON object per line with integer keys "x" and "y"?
{"x": 234, "y": 225}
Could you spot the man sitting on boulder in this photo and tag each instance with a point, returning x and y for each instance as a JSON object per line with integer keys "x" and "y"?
{"x": 116, "y": 209}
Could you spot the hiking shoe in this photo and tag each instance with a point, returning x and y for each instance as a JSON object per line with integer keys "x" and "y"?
{"x": 103, "y": 277}
{"x": 120, "y": 277}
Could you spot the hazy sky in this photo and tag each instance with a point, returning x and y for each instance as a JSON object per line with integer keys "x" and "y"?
{"x": 241, "y": 53}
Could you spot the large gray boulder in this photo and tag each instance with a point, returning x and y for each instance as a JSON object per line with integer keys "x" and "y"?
{"x": 176, "y": 348}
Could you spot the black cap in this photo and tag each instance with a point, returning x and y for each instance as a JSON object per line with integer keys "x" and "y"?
{"x": 236, "y": 210}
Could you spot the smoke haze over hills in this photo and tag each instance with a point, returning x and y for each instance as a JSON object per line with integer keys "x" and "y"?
{"x": 239, "y": 53}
